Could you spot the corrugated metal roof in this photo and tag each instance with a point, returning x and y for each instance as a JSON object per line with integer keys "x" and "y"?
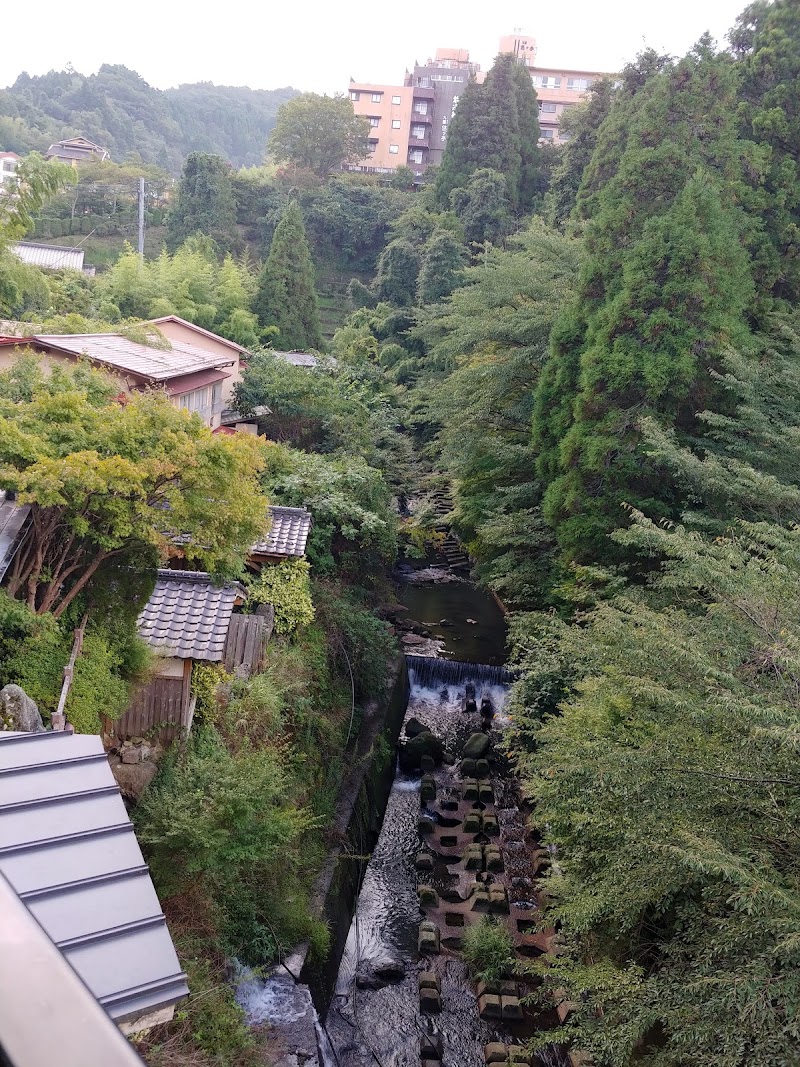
{"x": 55, "y": 257}
{"x": 187, "y": 616}
{"x": 155, "y": 364}
{"x": 68, "y": 849}
{"x": 288, "y": 533}
{"x": 13, "y": 520}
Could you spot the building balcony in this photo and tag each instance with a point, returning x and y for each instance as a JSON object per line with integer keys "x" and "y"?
{"x": 424, "y": 92}
{"x": 418, "y": 142}
{"x": 416, "y": 117}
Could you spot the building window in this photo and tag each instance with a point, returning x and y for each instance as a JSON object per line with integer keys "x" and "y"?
{"x": 374, "y": 120}
{"x": 396, "y": 100}
{"x": 415, "y": 156}
{"x": 394, "y": 149}
{"x": 547, "y": 134}
{"x": 578, "y": 84}
{"x": 395, "y": 124}
{"x": 424, "y": 83}
{"x": 542, "y": 81}
{"x": 421, "y": 107}
{"x": 354, "y": 96}
{"x": 547, "y": 108}
{"x": 206, "y": 401}
{"x": 377, "y": 97}
{"x": 372, "y": 145}
{"x": 418, "y": 132}
{"x": 9, "y": 165}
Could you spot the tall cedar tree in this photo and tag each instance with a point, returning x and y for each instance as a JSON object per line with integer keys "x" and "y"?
{"x": 442, "y": 270}
{"x": 582, "y": 124}
{"x": 768, "y": 36}
{"x": 662, "y": 294}
{"x": 495, "y": 127}
{"x": 204, "y": 203}
{"x": 285, "y": 296}
{"x": 398, "y": 270}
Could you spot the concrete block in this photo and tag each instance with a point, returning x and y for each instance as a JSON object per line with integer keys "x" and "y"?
{"x": 480, "y": 901}
{"x": 429, "y": 980}
{"x": 425, "y": 826}
{"x": 483, "y": 988}
{"x": 511, "y": 1008}
{"x": 469, "y": 790}
{"x": 424, "y": 861}
{"x": 428, "y": 940}
{"x": 509, "y": 989}
{"x": 427, "y": 789}
{"x": 490, "y": 826}
{"x": 485, "y": 793}
{"x": 494, "y": 860}
{"x": 427, "y": 763}
{"x": 473, "y": 858}
{"x": 472, "y": 823}
{"x": 519, "y": 1056}
{"x": 489, "y": 1006}
{"x": 428, "y": 897}
{"x": 468, "y": 768}
{"x": 430, "y": 1001}
{"x": 430, "y": 1048}
{"x": 482, "y": 768}
{"x": 494, "y": 1052}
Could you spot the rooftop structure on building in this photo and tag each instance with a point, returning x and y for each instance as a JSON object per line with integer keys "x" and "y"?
{"x": 287, "y": 535}
{"x": 76, "y": 150}
{"x": 9, "y": 162}
{"x": 52, "y": 257}
{"x": 68, "y": 850}
{"x": 188, "y": 616}
{"x": 409, "y": 123}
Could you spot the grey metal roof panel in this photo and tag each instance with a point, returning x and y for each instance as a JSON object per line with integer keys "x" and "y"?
{"x": 156, "y": 364}
{"x": 187, "y": 616}
{"x": 288, "y": 532}
{"x": 68, "y": 849}
{"x": 13, "y": 520}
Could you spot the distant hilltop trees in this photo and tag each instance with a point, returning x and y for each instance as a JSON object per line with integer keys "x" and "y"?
{"x": 117, "y": 109}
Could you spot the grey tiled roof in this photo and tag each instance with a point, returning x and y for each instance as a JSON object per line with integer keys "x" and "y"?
{"x": 156, "y": 364}
{"x": 13, "y": 519}
{"x": 288, "y": 533}
{"x": 187, "y": 616}
{"x": 69, "y": 851}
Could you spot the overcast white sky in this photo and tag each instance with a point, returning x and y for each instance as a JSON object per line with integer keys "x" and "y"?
{"x": 319, "y": 44}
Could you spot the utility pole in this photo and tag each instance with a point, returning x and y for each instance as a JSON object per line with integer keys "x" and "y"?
{"x": 141, "y": 218}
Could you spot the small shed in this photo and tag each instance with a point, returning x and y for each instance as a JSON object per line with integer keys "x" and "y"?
{"x": 287, "y": 536}
{"x": 187, "y": 620}
{"x": 68, "y": 849}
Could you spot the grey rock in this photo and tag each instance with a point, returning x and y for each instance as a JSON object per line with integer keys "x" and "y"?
{"x": 20, "y": 710}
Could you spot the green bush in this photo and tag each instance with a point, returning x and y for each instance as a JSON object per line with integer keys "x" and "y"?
{"x": 489, "y": 949}
{"x": 287, "y": 587}
{"x": 206, "y": 680}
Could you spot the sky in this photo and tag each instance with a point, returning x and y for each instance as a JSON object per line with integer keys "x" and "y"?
{"x": 318, "y": 45}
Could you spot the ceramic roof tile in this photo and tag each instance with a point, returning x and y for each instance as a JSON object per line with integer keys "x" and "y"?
{"x": 187, "y": 616}
{"x": 288, "y": 533}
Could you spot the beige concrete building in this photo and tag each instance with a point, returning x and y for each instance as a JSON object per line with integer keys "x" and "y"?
{"x": 389, "y": 111}
{"x": 558, "y": 88}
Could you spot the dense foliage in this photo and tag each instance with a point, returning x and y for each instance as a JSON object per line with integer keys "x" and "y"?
{"x": 319, "y": 133}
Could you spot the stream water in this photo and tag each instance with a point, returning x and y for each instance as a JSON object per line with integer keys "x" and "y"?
{"x": 365, "y": 1027}
{"x": 383, "y": 1026}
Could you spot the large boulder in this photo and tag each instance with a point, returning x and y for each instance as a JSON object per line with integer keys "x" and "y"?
{"x": 380, "y": 972}
{"x": 477, "y": 745}
{"x": 19, "y": 711}
{"x": 414, "y": 727}
{"x": 411, "y": 752}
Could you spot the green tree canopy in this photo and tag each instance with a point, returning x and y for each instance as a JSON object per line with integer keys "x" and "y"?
{"x": 319, "y": 133}
{"x": 108, "y": 479}
{"x": 495, "y": 127}
{"x": 285, "y": 296}
{"x": 398, "y": 270}
{"x": 204, "y": 203}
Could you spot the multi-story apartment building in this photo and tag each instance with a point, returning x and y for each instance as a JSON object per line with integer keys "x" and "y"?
{"x": 409, "y": 123}
{"x": 8, "y": 166}
{"x": 558, "y": 88}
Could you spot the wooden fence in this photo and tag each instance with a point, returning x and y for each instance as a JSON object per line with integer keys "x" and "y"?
{"x": 247, "y": 639}
{"x": 160, "y": 711}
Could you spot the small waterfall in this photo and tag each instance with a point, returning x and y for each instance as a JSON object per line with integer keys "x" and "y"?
{"x": 427, "y": 672}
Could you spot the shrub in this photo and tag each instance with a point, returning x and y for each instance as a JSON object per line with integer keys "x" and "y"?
{"x": 287, "y": 587}
{"x": 489, "y": 949}
{"x": 206, "y": 680}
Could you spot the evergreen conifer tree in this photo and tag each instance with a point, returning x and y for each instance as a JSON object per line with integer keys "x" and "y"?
{"x": 204, "y": 203}
{"x": 442, "y": 269}
{"x": 285, "y": 296}
{"x": 663, "y": 292}
{"x": 495, "y": 127}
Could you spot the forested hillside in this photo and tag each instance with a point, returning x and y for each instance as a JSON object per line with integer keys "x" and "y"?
{"x": 116, "y": 108}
